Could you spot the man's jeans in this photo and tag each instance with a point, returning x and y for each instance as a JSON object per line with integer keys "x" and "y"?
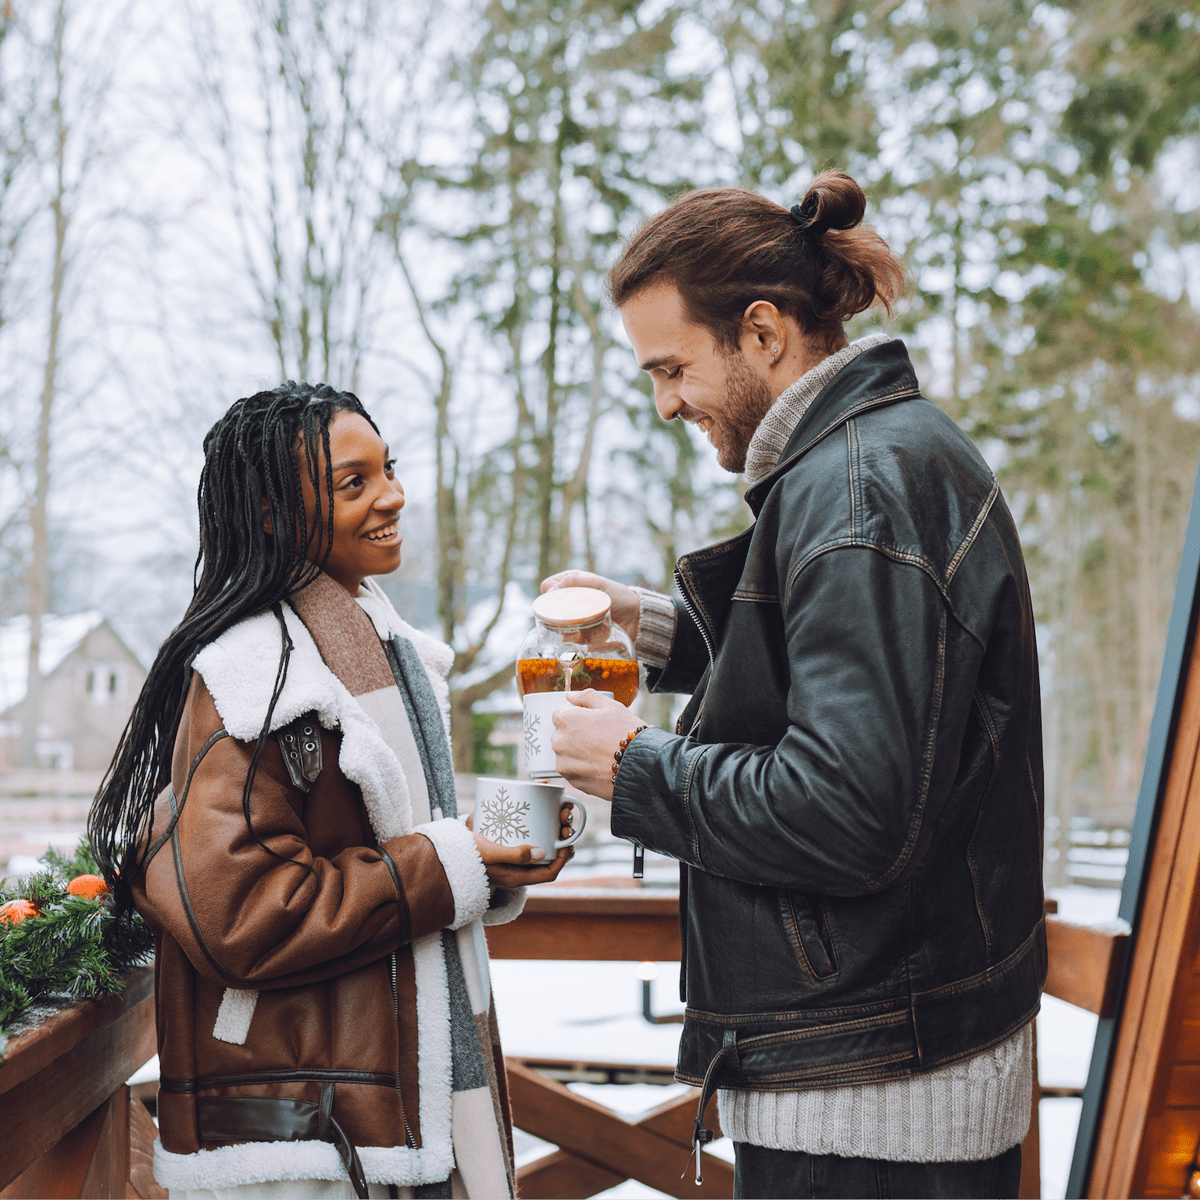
{"x": 761, "y": 1174}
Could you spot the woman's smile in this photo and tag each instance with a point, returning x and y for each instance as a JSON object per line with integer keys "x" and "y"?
{"x": 385, "y": 534}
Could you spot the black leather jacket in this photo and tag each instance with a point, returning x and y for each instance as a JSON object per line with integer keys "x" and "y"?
{"x": 857, "y": 798}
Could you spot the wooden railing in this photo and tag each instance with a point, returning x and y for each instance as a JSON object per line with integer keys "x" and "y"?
{"x": 71, "y": 1127}
{"x": 598, "y": 1149}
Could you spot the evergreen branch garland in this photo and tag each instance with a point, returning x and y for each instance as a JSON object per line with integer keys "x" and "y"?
{"x": 74, "y": 948}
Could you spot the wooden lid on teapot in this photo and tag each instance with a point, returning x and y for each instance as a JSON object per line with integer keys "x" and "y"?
{"x": 569, "y": 607}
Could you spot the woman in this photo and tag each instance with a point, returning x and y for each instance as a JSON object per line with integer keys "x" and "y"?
{"x": 281, "y": 810}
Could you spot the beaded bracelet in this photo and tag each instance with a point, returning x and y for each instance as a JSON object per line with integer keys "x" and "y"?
{"x": 620, "y": 750}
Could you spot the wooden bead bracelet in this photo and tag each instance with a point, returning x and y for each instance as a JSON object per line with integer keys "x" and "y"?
{"x": 619, "y": 752}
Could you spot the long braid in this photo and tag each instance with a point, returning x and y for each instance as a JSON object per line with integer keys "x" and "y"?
{"x": 249, "y": 454}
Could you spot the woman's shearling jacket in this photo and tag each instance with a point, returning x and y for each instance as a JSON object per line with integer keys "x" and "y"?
{"x": 856, "y": 786}
{"x": 273, "y": 980}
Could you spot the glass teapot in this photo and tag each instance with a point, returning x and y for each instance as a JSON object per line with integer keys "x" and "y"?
{"x": 574, "y": 645}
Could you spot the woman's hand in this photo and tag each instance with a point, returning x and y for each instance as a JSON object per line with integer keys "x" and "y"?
{"x": 515, "y": 866}
{"x": 626, "y": 607}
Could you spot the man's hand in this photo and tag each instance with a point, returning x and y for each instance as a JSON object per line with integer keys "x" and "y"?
{"x": 586, "y": 736}
{"x": 625, "y": 603}
{"x": 516, "y": 866}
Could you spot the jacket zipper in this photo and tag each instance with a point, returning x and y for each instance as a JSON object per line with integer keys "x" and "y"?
{"x": 683, "y": 946}
{"x": 692, "y": 612}
{"x": 409, "y": 1140}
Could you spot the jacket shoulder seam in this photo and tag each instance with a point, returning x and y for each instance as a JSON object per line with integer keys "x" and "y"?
{"x": 894, "y": 552}
{"x": 212, "y": 739}
{"x": 972, "y": 533}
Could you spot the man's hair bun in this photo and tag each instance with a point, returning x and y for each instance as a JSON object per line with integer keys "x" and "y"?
{"x": 725, "y": 248}
{"x": 833, "y": 201}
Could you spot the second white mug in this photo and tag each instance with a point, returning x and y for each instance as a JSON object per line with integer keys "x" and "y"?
{"x": 538, "y": 727}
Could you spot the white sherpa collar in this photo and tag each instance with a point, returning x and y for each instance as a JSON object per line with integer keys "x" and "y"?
{"x": 240, "y": 668}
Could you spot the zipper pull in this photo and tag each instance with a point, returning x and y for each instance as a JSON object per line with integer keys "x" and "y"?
{"x": 639, "y": 861}
{"x": 700, "y": 1138}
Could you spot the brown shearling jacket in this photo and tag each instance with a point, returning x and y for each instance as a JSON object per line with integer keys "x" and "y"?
{"x": 315, "y": 916}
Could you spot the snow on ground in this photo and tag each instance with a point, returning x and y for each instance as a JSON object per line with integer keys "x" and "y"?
{"x": 584, "y": 1010}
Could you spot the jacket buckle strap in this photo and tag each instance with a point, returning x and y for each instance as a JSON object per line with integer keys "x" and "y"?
{"x": 726, "y": 1057}
{"x": 300, "y": 745}
{"x": 328, "y": 1130}
{"x": 272, "y": 1119}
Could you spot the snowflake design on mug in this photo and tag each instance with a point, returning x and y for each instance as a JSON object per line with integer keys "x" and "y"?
{"x": 504, "y": 819}
{"x": 533, "y": 742}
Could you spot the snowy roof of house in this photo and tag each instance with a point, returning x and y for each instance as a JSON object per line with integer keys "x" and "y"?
{"x": 60, "y": 635}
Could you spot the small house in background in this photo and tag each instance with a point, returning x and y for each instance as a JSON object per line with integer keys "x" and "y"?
{"x": 90, "y": 681}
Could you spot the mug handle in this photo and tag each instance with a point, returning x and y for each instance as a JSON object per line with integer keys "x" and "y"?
{"x": 579, "y": 808}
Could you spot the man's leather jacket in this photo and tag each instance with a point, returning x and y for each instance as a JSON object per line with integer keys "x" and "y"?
{"x": 855, "y": 789}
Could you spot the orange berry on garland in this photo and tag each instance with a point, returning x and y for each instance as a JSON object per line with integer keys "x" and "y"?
{"x": 92, "y": 887}
{"x": 16, "y": 911}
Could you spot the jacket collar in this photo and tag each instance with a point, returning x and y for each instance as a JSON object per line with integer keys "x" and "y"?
{"x": 882, "y": 375}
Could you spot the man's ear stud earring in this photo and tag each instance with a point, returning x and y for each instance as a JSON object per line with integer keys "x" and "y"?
{"x": 774, "y": 351}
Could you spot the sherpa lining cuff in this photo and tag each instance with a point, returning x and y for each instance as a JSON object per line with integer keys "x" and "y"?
{"x": 455, "y": 846}
{"x": 656, "y": 628}
{"x": 270, "y": 1162}
{"x": 506, "y": 906}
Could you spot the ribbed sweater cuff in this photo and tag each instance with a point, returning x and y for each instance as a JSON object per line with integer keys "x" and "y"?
{"x": 656, "y": 628}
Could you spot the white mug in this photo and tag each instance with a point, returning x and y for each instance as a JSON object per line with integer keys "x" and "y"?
{"x": 515, "y": 812}
{"x": 538, "y": 727}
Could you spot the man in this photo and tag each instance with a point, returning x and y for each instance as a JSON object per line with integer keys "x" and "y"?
{"x": 854, "y": 790}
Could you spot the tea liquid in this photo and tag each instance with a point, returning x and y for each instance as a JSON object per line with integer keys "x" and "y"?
{"x": 616, "y": 675}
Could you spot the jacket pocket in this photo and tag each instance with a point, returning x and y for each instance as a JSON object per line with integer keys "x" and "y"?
{"x": 806, "y": 920}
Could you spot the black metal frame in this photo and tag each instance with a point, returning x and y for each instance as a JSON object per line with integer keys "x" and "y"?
{"x": 1181, "y": 631}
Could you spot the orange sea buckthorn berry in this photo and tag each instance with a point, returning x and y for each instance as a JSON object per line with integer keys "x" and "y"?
{"x": 92, "y": 887}
{"x": 16, "y": 911}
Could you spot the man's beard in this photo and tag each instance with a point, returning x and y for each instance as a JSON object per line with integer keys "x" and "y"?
{"x": 747, "y": 399}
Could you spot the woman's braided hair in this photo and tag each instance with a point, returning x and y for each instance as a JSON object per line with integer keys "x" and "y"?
{"x": 250, "y": 454}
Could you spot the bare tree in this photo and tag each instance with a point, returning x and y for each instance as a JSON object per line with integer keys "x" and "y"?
{"x": 291, "y": 102}
{"x": 38, "y": 575}
{"x": 78, "y": 61}
{"x": 20, "y": 97}
{"x": 451, "y": 564}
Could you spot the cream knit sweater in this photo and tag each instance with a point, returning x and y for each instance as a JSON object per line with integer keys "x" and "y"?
{"x": 967, "y": 1111}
